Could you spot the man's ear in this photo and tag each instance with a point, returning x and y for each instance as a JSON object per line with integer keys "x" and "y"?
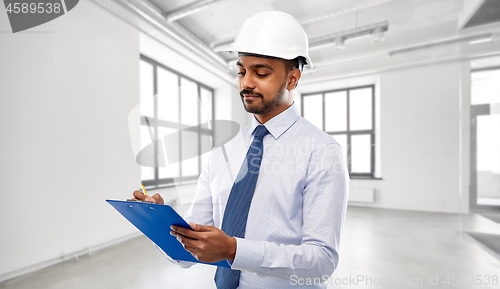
{"x": 293, "y": 78}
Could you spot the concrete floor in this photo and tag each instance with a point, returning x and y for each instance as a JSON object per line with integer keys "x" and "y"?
{"x": 380, "y": 249}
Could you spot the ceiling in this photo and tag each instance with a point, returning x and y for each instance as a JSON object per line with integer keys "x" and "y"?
{"x": 418, "y": 31}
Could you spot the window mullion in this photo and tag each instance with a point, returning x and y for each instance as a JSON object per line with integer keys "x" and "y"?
{"x": 373, "y": 134}
{"x": 155, "y": 126}
{"x": 199, "y": 127}
{"x": 348, "y": 131}
{"x": 179, "y": 95}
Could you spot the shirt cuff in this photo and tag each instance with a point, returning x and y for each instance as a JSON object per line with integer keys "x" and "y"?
{"x": 183, "y": 264}
{"x": 248, "y": 255}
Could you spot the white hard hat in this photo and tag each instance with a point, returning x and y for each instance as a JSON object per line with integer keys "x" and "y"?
{"x": 272, "y": 33}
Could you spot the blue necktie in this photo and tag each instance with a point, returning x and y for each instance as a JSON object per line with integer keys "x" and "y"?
{"x": 234, "y": 221}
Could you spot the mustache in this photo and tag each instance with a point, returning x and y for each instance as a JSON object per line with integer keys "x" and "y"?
{"x": 246, "y": 91}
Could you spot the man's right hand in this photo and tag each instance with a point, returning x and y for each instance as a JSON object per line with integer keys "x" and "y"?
{"x": 156, "y": 198}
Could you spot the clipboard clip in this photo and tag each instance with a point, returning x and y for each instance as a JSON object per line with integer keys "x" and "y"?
{"x": 139, "y": 201}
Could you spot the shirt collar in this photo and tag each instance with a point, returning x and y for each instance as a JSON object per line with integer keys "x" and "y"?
{"x": 280, "y": 123}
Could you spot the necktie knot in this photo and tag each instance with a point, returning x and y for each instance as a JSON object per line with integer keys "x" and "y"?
{"x": 260, "y": 132}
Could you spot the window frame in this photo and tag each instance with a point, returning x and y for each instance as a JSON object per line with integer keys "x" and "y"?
{"x": 349, "y": 132}
{"x": 155, "y": 123}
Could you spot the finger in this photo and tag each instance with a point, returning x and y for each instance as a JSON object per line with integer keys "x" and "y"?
{"x": 201, "y": 228}
{"x": 176, "y": 234}
{"x": 180, "y": 229}
{"x": 185, "y": 241}
{"x": 191, "y": 249}
{"x": 185, "y": 231}
{"x": 158, "y": 199}
{"x": 150, "y": 199}
{"x": 139, "y": 195}
{"x": 188, "y": 244}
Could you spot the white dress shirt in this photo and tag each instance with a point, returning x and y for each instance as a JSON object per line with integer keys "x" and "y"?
{"x": 297, "y": 212}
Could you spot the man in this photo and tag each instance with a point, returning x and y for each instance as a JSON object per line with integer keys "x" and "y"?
{"x": 280, "y": 220}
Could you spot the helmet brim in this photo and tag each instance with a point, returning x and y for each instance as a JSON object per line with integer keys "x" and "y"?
{"x": 266, "y": 53}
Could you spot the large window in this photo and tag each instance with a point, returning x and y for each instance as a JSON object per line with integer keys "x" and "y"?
{"x": 349, "y": 116}
{"x": 173, "y": 106}
{"x": 485, "y": 140}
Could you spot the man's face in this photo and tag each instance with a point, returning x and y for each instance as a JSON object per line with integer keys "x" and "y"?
{"x": 262, "y": 84}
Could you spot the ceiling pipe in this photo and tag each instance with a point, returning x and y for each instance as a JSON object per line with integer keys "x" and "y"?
{"x": 348, "y": 34}
{"x": 472, "y": 38}
{"x": 154, "y": 14}
{"x": 222, "y": 45}
{"x": 390, "y": 53}
{"x": 189, "y": 9}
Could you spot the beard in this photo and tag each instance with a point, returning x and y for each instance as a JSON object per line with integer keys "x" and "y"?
{"x": 266, "y": 106}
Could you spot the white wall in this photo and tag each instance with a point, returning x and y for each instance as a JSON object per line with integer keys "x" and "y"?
{"x": 420, "y": 139}
{"x": 418, "y": 136}
{"x": 66, "y": 88}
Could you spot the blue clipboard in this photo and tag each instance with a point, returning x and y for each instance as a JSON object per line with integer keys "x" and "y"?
{"x": 154, "y": 221}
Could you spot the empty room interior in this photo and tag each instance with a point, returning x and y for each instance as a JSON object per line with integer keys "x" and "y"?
{"x": 110, "y": 95}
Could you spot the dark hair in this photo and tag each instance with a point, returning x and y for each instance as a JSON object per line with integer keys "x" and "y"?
{"x": 290, "y": 64}
{"x": 297, "y": 62}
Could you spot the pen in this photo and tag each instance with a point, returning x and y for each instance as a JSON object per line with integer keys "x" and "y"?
{"x": 144, "y": 190}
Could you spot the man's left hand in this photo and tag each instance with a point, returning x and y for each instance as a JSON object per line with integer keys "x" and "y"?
{"x": 207, "y": 243}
